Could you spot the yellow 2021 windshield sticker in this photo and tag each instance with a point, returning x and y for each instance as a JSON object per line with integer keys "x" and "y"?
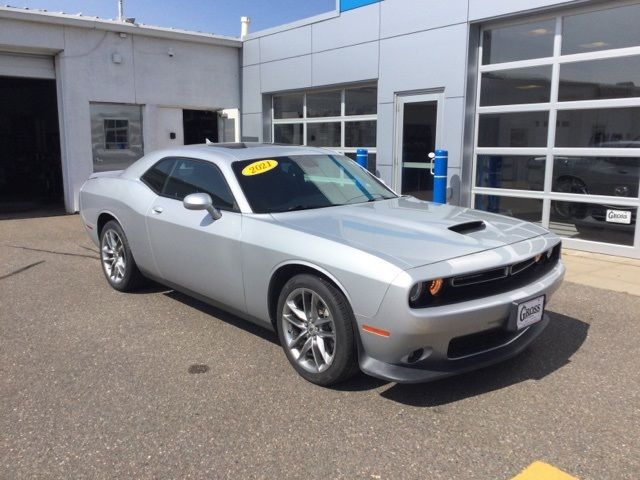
{"x": 261, "y": 166}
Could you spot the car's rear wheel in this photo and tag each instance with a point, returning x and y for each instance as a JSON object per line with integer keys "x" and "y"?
{"x": 315, "y": 327}
{"x": 116, "y": 259}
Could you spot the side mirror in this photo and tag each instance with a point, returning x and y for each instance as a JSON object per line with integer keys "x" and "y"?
{"x": 201, "y": 201}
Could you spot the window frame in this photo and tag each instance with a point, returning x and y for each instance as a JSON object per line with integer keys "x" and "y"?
{"x": 342, "y": 119}
{"x": 198, "y": 160}
{"x": 550, "y": 151}
{"x": 115, "y": 130}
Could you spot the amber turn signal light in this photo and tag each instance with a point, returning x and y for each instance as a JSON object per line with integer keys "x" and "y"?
{"x": 435, "y": 286}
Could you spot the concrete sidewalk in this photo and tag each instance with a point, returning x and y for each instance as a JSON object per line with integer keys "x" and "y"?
{"x": 602, "y": 271}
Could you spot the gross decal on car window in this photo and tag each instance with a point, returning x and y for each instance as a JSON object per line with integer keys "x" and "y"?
{"x": 259, "y": 167}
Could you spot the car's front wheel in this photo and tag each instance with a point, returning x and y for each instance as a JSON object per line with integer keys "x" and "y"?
{"x": 315, "y": 328}
{"x": 118, "y": 264}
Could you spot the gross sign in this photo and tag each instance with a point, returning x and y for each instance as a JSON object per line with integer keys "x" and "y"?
{"x": 619, "y": 216}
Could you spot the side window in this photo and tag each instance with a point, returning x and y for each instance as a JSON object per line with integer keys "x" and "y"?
{"x": 156, "y": 176}
{"x": 194, "y": 176}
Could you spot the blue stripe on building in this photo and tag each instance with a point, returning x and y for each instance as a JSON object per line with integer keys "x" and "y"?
{"x": 351, "y": 4}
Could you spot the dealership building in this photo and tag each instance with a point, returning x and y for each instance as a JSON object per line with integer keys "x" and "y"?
{"x": 536, "y": 101}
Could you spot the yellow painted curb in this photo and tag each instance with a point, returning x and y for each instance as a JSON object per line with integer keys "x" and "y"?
{"x": 542, "y": 471}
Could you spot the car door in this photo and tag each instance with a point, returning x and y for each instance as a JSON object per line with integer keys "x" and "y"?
{"x": 190, "y": 248}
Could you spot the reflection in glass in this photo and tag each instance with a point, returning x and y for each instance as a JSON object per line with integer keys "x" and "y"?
{"x": 518, "y": 42}
{"x": 602, "y": 127}
{"x": 324, "y": 104}
{"x": 516, "y": 172}
{"x": 361, "y": 101}
{"x": 514, "y": 86}
{"x": 601, "y": 30}
{"x": 288, "y": 133}
{"x": 612, "y": 176}
{"x": 323, "y": 134}
{"x": 116, "y": 135}
{"x": 360, "y": 134}
{"x": 598, "y": 79}
{"x": 288, "y": 106}
{"x": 522, "y": 129}
{"x": 529, "y": 209}
{"x": 371, "y": 163}
{"x": 419, "y": 127}
{"x": 595, "y": 222}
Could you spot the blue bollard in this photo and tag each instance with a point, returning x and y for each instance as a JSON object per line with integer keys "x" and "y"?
{"x": 362, "y": 157}
{"x": 440, "y": 161}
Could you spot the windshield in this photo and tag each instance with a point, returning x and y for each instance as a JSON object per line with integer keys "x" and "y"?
{"x": 302, "y": 182}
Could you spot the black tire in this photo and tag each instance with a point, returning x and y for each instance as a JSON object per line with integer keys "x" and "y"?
{"x": 132, "y": 279}
{"x": 345, "y": 356}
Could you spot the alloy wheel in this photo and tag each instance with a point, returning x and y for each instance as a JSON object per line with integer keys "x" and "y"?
{"x": 113, "y": 256}
{"x": 309, "y": 330}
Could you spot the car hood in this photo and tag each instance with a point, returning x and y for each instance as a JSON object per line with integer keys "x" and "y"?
{"x": 410, "y": 232}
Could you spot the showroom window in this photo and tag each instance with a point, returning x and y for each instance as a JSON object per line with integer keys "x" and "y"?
{"x": 116, "y": 135}
{"x": 558, "y": 125}
{"x": 341, "y": 119}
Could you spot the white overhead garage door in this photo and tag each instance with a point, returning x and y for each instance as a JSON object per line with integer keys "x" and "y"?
{"x": 24, "y": 65}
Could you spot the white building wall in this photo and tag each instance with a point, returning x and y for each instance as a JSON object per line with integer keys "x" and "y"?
{"x": 164, "y": 75}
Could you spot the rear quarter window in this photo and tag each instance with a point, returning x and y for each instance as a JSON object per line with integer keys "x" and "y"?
{"x": 156, "y": 177}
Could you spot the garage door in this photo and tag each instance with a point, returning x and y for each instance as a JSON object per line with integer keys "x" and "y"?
{"x": 32, "y": 66}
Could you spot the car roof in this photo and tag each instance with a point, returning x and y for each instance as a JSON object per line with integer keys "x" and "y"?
{"x": 232, "y": 152}
{"x": 223, "y": 154}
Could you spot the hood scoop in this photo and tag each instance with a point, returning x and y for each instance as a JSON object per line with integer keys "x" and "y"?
{"x": 468, "y": 227}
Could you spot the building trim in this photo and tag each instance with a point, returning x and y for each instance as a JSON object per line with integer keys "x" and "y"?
{"x": 51, "y": 18}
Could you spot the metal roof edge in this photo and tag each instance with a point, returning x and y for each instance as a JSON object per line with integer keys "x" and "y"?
{"x": 52, "y": 18}
{"x": 293, "y": 25}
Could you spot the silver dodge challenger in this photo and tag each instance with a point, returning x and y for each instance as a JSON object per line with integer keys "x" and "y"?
{"x": 351, "y": 275}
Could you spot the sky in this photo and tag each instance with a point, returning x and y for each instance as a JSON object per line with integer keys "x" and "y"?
{"x": 211, "y": 16}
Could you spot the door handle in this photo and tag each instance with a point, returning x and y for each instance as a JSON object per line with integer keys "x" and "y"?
{"x": 157, "y": 210}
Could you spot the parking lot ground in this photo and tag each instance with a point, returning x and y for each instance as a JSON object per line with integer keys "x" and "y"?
{"x": 100, "y": 384}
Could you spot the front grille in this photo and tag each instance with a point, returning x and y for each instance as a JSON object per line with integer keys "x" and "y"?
{"x": 479, "y": 342}
{"x": 481, "y": 277}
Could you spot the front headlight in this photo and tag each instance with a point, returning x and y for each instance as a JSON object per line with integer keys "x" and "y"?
{"x": 422, "y": 292}
{"x": 416, "y": 292}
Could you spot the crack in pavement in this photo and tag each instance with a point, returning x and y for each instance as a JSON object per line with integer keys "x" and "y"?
{"x": 54, "y": 252}
{"x": 20, "y": 270}
{"x": 90, "y": 249}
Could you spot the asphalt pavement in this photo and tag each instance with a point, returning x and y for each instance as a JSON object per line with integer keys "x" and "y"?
{"x": 100, "y": 384}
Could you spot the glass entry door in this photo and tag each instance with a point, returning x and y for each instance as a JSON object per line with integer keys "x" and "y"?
{"x": 417, "y": 135}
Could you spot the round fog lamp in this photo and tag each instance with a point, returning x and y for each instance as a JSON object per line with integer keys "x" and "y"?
{"x": 435, "y": 286}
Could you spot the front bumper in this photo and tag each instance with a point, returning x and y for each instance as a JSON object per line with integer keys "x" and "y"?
{"x": 429, "y": 370}
{"x": 434, "y": 331}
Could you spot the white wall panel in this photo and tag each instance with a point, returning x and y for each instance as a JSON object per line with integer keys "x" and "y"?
{"x": 290, "y": 43}
{"x": 251, "y": 52}
{"x": 251, "y": 90}
{"x": 338, "y": 66}
{"x": 485, "y": 9}
{"x": 399, "y": 17}
{"x": 425, "y": 60}
{"x": 286, "y": 74}
{"x": 352, "y": 27}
